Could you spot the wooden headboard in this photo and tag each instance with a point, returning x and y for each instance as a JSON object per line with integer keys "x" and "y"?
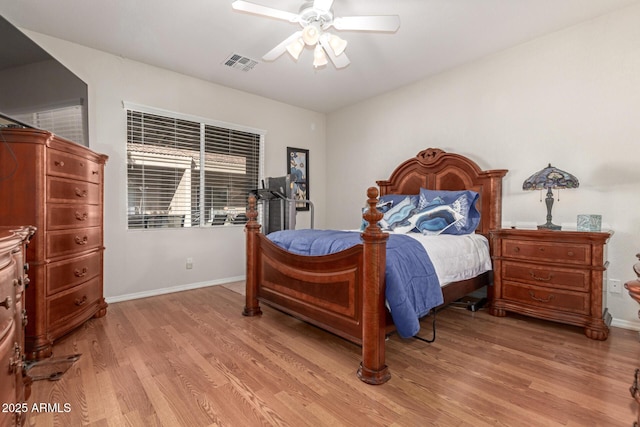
{"x": 435, "y": 169}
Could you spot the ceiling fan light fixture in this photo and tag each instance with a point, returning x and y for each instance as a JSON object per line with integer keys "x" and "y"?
{"x": 295, "y": 48}
{"x": 311, "y": 33}
{"x": 319, "y": 57}
{"x": 337, "y": 44}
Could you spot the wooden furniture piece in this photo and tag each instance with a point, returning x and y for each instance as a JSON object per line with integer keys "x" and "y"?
{"x": 633, "y": 287}
{"x": 15, "y": 386}
{"x": 57, "y": 186}
{"x": 553, "y": 275}
{"x": 344, "y": 292}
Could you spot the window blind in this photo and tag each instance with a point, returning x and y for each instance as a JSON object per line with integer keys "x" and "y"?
{"x": 187, "y": 173}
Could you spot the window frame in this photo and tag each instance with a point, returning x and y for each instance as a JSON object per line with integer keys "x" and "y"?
{"x": 203, "y": 184}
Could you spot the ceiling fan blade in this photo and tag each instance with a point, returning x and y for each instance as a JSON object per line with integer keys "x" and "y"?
{"x": 245, "y": 6}
{"x": 368, "y": 23}
{"x": 339, "y": 61}
{"x": 323, "y": 4}
{"x": 274, "y": 53}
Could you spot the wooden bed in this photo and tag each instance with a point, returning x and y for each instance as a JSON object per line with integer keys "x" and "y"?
{"x": 344, "y": 293}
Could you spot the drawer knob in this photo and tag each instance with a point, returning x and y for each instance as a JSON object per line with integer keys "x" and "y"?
{"x": 59, "y": 163}
{"x": 81, "y": 193}
{"x": 80, "y": 273}
{"x": 81, "y": 301}
{"x": 516, "y": 249}
{"x": 541, "y": 279}
{"x": 82, "y": 216}
{"x": 535, "y": 298}
{"x": 81, "y": 241}
{"x": 95, "y": 172}
{"x": 570, "y": 253}
{"x": 7, "y": 303}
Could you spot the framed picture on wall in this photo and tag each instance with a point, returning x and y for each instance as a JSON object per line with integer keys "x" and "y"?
{"x": 298, "y": 167}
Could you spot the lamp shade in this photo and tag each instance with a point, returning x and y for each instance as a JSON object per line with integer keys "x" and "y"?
{"x": 311, "y": 33}
{"x": 319, "y": 57}
{"x": 295, "y": 48}
{"x": 337, "y": 44}
{"x": 550, "y": 177}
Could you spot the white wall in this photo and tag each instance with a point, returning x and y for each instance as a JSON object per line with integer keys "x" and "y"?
{"x": 571, "y": 98}
{"x": 139, "y": 263}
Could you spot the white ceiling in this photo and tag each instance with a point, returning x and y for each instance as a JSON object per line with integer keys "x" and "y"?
{"x": 195, "y": 37}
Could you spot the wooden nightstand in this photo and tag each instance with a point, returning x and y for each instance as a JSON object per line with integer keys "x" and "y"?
{"x": 553, "y": 275}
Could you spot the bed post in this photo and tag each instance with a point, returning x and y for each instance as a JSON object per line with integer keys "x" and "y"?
{"x": 373, "y": 369}
{"x": 252, "y": 229}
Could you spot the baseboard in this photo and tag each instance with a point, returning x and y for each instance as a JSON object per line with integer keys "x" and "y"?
{"x": 625, "y": 324}
{"x": 180, "y": 288}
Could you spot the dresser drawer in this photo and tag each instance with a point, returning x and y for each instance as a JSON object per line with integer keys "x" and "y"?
{"x": 69, "y": 242}
{"x": 61, "y": 190}
{"x": 553, "y": 299}
{"x": 73, "y": 216}
{"x": 556, "y": 277}
{"x": 66, "y": 274}
{"x": 7, "y": 298}
{"x": 68, "y": 165}
{"x": 556, "y": 252}
{"x": 7, "y": 377}
{"x": 74, "y": 302}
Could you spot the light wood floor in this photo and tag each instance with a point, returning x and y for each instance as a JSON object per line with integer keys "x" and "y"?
{"x": 192, "y": 359}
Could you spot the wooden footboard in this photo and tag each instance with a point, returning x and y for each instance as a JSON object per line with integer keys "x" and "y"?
{"x": 342, "y": 293}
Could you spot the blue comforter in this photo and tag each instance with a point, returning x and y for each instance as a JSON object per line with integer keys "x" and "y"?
{"x": 412, "y": 286}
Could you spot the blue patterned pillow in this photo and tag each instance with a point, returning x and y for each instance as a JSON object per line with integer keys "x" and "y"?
{"x": 398, "y": 214}
{"x": 397, "y": 198}
{"x": 382, "y": 206}
{"x": 460, "y": 203}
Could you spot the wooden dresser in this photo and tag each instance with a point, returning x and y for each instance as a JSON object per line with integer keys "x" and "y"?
{"x": 553, "y": 275}
{"x": 14, "y": 384}
{"x": 57, "y": 186}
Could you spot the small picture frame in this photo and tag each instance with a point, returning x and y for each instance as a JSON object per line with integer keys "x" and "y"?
{"x": 298, "y": 167}
{"x": 589, "y": 222}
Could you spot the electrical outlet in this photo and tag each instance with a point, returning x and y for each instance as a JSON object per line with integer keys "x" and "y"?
{"x": 615, "y": 287}
{"x": 189, "y": 263}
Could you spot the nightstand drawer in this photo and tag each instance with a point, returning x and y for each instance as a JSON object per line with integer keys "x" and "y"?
{"x": 557, "y": 252}
{"x": 555, "y": 277}
{"x": 554, "y": 299}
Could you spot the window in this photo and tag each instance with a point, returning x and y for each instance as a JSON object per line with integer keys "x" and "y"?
{"x": 188, "y": 172}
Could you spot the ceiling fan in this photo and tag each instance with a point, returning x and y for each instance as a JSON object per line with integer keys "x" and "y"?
{"x": 315, "y": 18}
